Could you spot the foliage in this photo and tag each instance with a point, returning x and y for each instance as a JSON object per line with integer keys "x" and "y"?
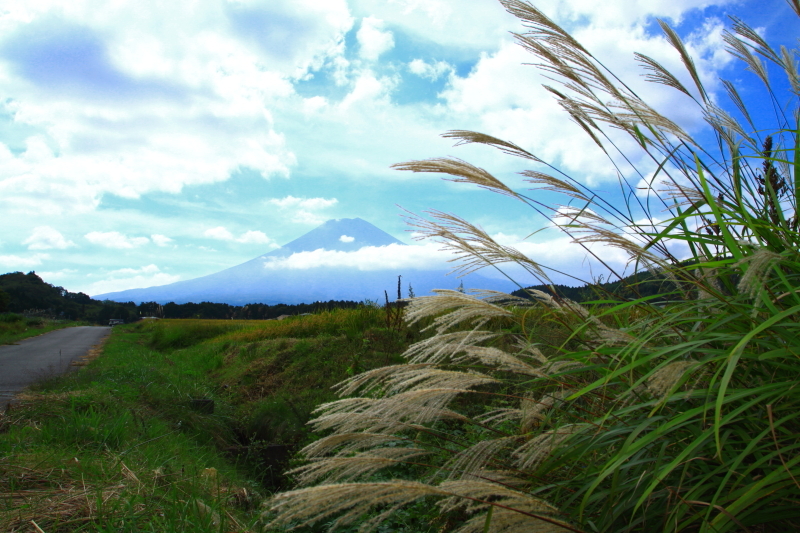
{"x": 15, "y": 327}
{"x": 5, "y": 299}
{"x": 252, "y": 311}
{"x": 30, "y": 295}
{"x": 672, "y": 417}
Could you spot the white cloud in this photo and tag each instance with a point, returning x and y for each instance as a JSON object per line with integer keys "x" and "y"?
{"x": 445, "y": 22}
{"x": 314, "y": 104}
{"x": 149, "y": 269}
{"x": 504, "y": 98}
{"x": 160, "y": 240}
{"x": 346, "y": 238}
{"x": 303, "y": 203}
{"x": 557, "y": 253}
{"x": 248, "y": 237}
{"x": 254, "y": 237}
{"x": 47, "y": 238}
{"x": 17, "y": 262}
{"x": 131, "y": 278}
{"x": 622, "y": 13}
{"x": 220, "y": 233}
{"x": 304, "y": 210}
{"x": 115, "y": 239}
{"x": 372, "y": 40}
{"x": 50, "y": 277}
{"x": 165, "y": 96}
{"x": 393, "y": 256}
{"x": 432, "y": 71}
{"x": 367, "y": 90}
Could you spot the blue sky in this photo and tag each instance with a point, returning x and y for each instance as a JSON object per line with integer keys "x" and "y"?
{"x": 147, "y": 142}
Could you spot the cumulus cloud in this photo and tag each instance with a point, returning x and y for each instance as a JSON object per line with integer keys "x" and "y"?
{"x": 445, "y": 22}
{"x": 57, "y": 275}
{"x": 432, "y": 71}
{"x": 112, "y": 103}
{"x": 20, "y": 262}
{"x": 220, "y": 233}
{"x": 304, "y": 210}
{"x": 115, "y": 239}
{"x": 131, "y": 278}
{"x": 393, "y": 256}
{"x": 557, "y": 253}
{"x": 368, "y": 89}
{"x": 303, "y": 203}
{"x": 248, "y": 237}
{"x": 510, "y": 108}
{"x": 160, "y": 240}
{"x": 254, "y": 237}
{"x": 149, "y": 269}
{"x": 47, "y": 238}
{"x": 346, "y": 238}
{"x": 372, "y": 39}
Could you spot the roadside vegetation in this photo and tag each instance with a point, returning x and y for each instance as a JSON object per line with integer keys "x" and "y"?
{"x": 180, "y": 425}
{"x": 15, "y": 327}
{"x": 676, "y": 413}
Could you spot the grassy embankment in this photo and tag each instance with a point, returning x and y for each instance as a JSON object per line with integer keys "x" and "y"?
{"x": 121, "y": 446}
{"x": 15, "y": 327}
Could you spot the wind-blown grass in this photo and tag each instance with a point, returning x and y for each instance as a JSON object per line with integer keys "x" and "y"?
{"x": 676, "y": 417}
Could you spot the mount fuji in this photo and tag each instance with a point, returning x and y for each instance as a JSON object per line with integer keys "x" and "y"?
{"x": 268, "y": 279}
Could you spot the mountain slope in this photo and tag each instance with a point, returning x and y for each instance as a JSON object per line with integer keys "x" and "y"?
{"x": 251, "y": 282}
{"x": 342, "y": 235}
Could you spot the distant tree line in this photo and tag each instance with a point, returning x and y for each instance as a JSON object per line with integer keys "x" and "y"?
{"x": 635, "y": 286}
{"x": 29, "y": 294}
{"x": 253, "y": 311}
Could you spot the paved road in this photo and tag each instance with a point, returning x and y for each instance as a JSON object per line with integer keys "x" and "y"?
{"x": 44, "y": 356}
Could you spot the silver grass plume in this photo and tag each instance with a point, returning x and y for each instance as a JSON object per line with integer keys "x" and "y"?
{"x": 758, "y": 266}
{"x": 468, "y": 137}
{"x": 354, "y": 466}
{"x": 460, "y": 308}
{"x": 351, "y": 501}
{"x": 469, "y": 244}
{"x": 532, "y": 411}
{"x": 441, "y": 347}
{"x": 498, "y": 359}
{"x": 537, "y": 449}
{"x": 472, "y": 462}
{"x": 347, "y": 443}
{"x": 663, "y": 380}
{"x": 405, "y": 378}
{"x": 460, "y": 172}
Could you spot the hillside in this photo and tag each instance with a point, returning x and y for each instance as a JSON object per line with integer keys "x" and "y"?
{"x": 29, "y": 294}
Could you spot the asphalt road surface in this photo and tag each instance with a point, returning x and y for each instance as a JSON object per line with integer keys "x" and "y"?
{"x": 44, "y": 356}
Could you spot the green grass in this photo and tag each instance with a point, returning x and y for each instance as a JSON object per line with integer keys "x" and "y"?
{"x": 119, "y": 445}
{"x": 15, "y": 327}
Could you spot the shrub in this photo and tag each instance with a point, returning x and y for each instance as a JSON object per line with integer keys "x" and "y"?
{"x": 34, "y": 321}
{"x": 673, "y": 417}
{"x": 11, "y": 318}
